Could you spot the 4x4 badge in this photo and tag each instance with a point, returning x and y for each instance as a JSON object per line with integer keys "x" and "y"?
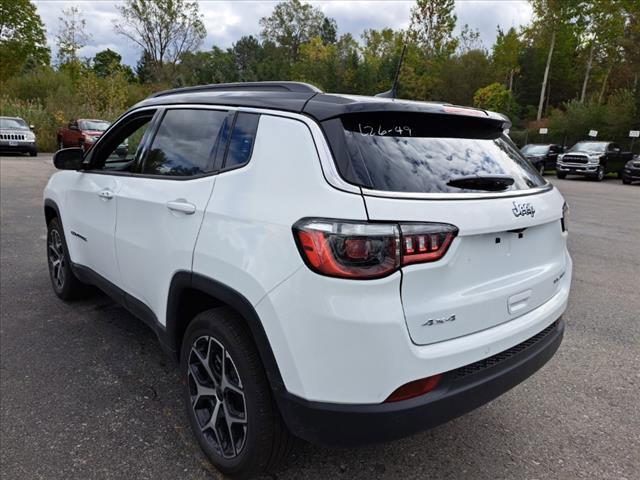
{"x": 438, "y": 321}
{"x": 521, "y": 209}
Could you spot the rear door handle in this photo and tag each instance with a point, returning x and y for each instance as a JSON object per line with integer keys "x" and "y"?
{"x": 182, "y": 206}
{"x": 106, "y": 194}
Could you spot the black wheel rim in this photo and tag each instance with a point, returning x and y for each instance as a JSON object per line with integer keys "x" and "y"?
{"x": 57, "y": 259}
{"x": 217, "y": 397}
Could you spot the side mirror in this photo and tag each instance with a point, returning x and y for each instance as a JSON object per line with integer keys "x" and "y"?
{"x": 32, "y": 127}
{"x": 68, "y": 158}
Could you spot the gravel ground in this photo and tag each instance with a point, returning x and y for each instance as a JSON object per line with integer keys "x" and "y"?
{"x": 86, "y": 391}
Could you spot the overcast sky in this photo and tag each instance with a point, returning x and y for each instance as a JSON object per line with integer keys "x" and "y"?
{"x": 227, "y": 21}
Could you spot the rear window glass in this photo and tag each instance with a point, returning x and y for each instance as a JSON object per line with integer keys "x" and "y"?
{"x": 423, "y": 153}
{"x": 242, "y": 138}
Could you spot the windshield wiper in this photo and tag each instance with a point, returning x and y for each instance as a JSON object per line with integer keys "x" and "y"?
{"x": 490, "y": 183}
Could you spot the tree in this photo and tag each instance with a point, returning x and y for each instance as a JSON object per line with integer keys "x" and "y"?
{"x": 164, "y": 29}
{"x": 247, "y": 53}
{"x": 293, "y": 23}
{"x": 460, "y": 76}
{"x": 504, "y": 56}
{"x": 107, "y": 62}
{"x": 328, "y": 31}
{"x": 495, "y": 97}
{"x": 469, "y": 39}
{"x": 603, "y": 32}
{"x": 22, "y": 37}
{"x": 72, "y": 35}
{"x": 551, "y": 15}
{"x": 432, "y": 24}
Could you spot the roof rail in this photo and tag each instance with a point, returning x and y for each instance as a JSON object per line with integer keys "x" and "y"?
{"x": 297, "y": 87}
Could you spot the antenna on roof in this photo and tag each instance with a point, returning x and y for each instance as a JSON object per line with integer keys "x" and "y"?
{"x": 393, "y": 93}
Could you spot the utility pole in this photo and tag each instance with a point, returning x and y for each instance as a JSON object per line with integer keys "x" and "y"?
{"x": 546, "y": 75}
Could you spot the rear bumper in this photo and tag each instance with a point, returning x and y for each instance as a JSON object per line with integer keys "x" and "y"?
{"x": 460, "y": 391}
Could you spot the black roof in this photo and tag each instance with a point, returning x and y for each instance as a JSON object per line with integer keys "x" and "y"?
{"x": 304, "y": 98}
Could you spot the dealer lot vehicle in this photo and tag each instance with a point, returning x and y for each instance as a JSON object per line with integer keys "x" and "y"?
{"x": 592, "y": 159}
{"x": 542, "y": 156}
{"x": 338, "y": 268}
{"x": 17, "y": 136}
{"x": 81, "y": 132}
{"x": 631, "y": 172}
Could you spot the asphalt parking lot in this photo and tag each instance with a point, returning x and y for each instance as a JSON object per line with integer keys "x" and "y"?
{"x": 86, "y": 392}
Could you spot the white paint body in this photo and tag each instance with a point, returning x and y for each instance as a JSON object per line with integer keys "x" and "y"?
{"x": 335, "y": 340}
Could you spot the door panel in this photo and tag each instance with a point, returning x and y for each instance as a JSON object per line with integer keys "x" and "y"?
{"x": 159, "y": 214}
{"x": 158, "y": 223}
{"x": 90, "y": 223}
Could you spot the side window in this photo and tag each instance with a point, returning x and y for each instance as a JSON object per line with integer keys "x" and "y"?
{"x": 122, "y": 151}
{"x": 242, "y": 138}
{"x": 187, "y": 142}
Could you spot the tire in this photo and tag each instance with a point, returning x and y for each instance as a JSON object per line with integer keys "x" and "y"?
{"x": 65, "y": 284}
{"x": 625, "y": 180}
{"x": 260, "y": 439}
{"x": 599, "y": 175}
{"x": 60, "y": 144}
{"x": 561, "y": 176}
{"x": 33, "y": 153}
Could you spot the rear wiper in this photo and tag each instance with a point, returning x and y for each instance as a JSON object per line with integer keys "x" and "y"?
{"x": 490, "y": 183}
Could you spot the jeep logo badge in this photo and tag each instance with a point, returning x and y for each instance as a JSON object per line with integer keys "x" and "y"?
{"x": 521, "y": 209}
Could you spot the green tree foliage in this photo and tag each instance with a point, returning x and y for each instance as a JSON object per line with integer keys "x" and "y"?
{"x": 495, "y": 97}
{"x": 293, "y": 23}
{"x": 505, "y": 56}
{"x": 432, "y": 24}
{"x": 164, "y": 29}
{"x": 107, "y": 62}
{"x": 22, "y": 38}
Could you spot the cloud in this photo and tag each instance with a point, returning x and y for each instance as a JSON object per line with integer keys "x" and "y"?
{"x": 227, "y": 21}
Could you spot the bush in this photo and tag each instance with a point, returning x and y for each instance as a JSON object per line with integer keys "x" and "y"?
{"x": 48, "y": 98}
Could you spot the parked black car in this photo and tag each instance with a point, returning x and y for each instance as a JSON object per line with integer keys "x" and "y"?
{"x": 542, "y": 156}
{"x": 631, "y": 172}
{"x": 592, "y": 159}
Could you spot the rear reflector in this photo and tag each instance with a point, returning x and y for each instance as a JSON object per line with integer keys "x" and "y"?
{"x": 362, "y": 250}
{"x": 414, "y": 389}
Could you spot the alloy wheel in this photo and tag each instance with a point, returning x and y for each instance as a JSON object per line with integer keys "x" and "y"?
{"x": 217, "y": 397}
{"x": 57, "y": 258}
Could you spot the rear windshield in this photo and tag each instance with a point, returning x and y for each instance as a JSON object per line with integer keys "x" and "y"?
{"x": 423, "y": 153}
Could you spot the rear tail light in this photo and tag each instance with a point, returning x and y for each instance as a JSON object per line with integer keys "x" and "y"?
{"x": 414, "y": 389}
{"x": 361, "y": 250}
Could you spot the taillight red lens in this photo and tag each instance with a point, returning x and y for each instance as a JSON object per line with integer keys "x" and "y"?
{"x": 426, "y": 242}
{"x": 414, "y": 389}
{"x": 362, "y": 250}
{"x": 349, "y": 249}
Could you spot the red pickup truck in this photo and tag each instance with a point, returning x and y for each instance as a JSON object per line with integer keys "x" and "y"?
{"x": 81, "y": 132}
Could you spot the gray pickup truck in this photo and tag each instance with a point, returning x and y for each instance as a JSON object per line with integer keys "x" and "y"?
{"x": 592, "y": 159}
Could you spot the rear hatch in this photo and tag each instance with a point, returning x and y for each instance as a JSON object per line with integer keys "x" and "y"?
{"x": 509, "y": 254}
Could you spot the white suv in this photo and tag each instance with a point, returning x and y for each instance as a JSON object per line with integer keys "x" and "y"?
{"x": 338, "y": 268}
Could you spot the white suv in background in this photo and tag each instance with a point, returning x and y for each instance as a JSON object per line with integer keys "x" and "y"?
{"x": 338, "y": 268}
